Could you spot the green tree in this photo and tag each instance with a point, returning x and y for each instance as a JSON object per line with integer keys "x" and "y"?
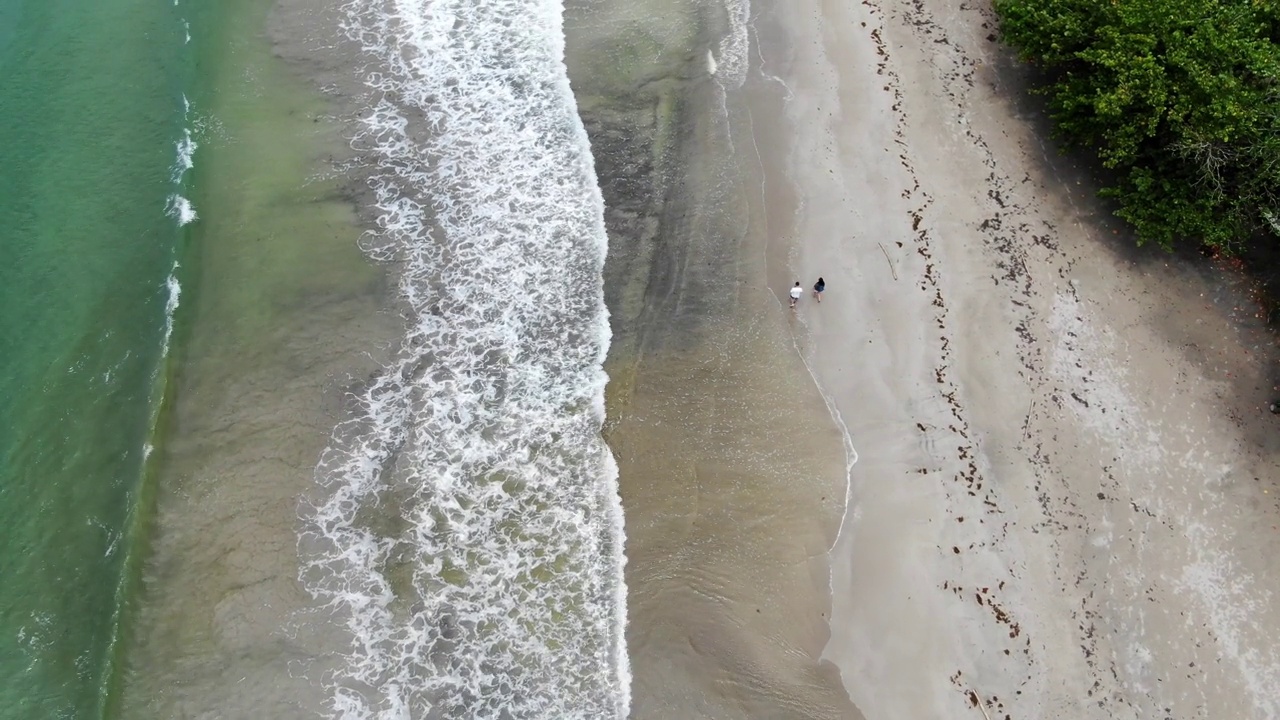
{"x": 1181, "y": 98}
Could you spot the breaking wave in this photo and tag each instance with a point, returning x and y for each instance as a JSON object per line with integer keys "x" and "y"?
{"x": 466, "y": 525}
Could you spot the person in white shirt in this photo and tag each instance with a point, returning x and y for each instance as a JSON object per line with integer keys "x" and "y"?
{"x": 796, "y": 292}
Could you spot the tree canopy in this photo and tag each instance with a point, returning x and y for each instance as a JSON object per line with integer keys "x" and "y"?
{"x": 1180, "y": 98}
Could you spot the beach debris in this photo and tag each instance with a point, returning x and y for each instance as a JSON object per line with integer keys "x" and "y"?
{"x": 1026, "y": 424}
{"x": 976, "y": 700}
{"x": 886, "y": 257}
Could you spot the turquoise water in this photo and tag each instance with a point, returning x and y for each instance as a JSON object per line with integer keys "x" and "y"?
{"x": 91, "y": 106}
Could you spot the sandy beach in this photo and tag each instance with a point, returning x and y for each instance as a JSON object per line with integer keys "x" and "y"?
{"x": 1067, "y": 478}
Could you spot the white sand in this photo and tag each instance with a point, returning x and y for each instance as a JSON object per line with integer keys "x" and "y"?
{"x": 1066, "y": 497}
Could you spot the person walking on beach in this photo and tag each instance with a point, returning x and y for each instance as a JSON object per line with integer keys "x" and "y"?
{"x": 818, "y": 287}
{"x": 796, "y": 292}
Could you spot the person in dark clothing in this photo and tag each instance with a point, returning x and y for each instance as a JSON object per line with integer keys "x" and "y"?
{"x": 818, "y": 287}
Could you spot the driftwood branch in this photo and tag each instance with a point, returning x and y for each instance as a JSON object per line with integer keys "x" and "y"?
{"x": 981, "y": 705}
{"x": 886, "y": 257}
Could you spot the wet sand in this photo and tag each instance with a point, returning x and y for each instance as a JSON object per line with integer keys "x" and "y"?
{"x": 732, "y": 478}
{"x": 1067, "y": 479}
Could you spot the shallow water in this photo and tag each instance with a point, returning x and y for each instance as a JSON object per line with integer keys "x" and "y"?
{"x": 281, "y": 309}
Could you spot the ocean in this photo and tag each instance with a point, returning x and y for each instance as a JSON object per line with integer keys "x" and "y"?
{"x": 94, "y": 149}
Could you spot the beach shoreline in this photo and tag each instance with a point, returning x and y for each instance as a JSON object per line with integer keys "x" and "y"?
{"x": 1066, "y": 474}
{"x": 732, "y": 483}
{"x": 1065, "y": 482}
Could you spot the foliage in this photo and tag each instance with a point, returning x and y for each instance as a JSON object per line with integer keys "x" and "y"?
{"x": 1180, "y": 98}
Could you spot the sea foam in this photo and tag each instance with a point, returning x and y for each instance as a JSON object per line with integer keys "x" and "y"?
{"x": 174, "y": 294}
{"x": 732, "y": 63}
{"x": 466, "y": 525}
{"x": 180, "y": 208}
{"x": 186, "y": 151}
